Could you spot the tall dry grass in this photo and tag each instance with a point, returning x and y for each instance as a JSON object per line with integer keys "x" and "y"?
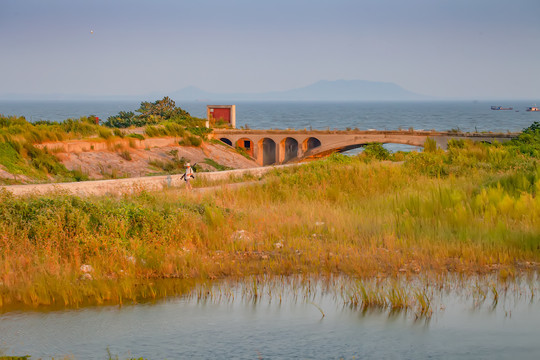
{"x": 342, "y": 215}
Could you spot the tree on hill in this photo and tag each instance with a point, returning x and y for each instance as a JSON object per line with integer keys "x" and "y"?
{"x": 164, "y": 109}
{"x": 152, "y": 113}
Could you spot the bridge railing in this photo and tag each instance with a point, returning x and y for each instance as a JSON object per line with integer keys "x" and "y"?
{"x": 375, "y": 132}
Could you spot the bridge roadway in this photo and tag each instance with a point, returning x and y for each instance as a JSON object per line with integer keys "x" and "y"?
{"x": 270, "y": 147}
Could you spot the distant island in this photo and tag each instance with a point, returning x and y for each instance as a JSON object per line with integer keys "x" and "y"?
{"x": 324, "y": 90}
{"x": 338, "y": 90}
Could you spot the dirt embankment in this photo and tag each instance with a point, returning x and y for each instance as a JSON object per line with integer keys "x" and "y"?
{"x": 129, "y": 157}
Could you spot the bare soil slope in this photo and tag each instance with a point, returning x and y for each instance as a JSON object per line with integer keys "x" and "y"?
{"x": 100, "y": 159}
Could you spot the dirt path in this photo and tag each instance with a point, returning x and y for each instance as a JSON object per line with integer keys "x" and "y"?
{"x": 133, "y": 185}
{"x": 207, "y": 189}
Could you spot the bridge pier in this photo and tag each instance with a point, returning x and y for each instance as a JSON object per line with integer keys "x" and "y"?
{"x": 288, "y": 150}
{"x": 267, "y": 152}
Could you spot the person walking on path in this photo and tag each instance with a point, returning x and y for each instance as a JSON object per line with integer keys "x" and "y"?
{"x": 188, "y": 175}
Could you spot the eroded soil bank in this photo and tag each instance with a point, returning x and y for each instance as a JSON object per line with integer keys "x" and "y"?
{"x": 129, "y": 157}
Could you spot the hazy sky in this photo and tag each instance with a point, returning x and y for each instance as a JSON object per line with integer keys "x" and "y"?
{"x": 448, "y": 48}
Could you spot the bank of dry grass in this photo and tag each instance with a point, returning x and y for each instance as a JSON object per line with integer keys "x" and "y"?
{"x": 341, "y": 215}
{"x": 22, "y": 160}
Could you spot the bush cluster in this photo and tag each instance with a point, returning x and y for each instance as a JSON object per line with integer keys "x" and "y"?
{"x": 163, "y": 118}
{"x": 463, "y": 156}
{"x": 153, "y": 113}
{"x": 20, "y": 156}
{"x": 376, "y": 151}
{"x": 14, "y": 127}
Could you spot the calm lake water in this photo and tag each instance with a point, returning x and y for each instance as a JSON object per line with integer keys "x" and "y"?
{"x": 293, "y": 328}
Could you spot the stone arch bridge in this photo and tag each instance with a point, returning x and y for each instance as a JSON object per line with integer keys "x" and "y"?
{"x": 270, "y": 147}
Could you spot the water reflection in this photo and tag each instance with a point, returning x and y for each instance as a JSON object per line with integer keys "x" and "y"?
{"x": 284, "y": 321}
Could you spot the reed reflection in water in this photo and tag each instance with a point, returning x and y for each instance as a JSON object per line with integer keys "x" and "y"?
{"x": 259, "y": 318}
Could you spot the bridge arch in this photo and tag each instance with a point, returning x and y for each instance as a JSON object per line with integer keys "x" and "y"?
{"x": 318, "y": 143}
{"x": 246, "y": 144}
{"x": 310, "y": 143}
{"x": 226, "y": 141}
{"x": 288, "y": 149}
{"x": 267, "y": 151}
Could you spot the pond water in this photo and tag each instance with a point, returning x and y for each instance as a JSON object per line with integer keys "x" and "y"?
{"x": 242, "y": 327}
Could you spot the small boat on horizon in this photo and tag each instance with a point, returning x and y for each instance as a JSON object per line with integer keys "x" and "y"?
{"x": 501, "y": 108}
{"x": 533, "y": 108}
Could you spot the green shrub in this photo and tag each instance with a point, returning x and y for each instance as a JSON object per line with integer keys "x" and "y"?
{"x": 241, "y": 151}
{"x": 528, "y": 142}
{"x": 136, "y": 136}
{"x": 105, "y": 133}
{"x": 376, "y": 151}
{"x": 16, "y": 145}
{"x": 195, "y": 141}
{"x": 427, "y": 163}
{"x": 174, "y": 129}
{"x": 9, "y": 121}
{"x": 399, "y": 155}
{"x": 78, "y": 175}
{"x": 201, "y": 132}
{"x": 152, "y": 131}
{"x": 49, "y": 164}
{"x": 454, "y": 144}
{"x": 26, "y": 159}
{"x": 122, "y": 120}
{"x": 338, "y": 158}
{"x": 153, "y": 113}
{"x": 216, "y": 165}
{"x": 190, "y": 140}
{"x": 172, "y": 166}
{"x": 126, "y": 155}
{"x": 10, "y": 158}
{"x": 43, "y": 161}
{"x": 82, "y": 127}
{"x": 517, "y": 183}
{"x": 533, "y": 129}
{"x": 430, "y": 145}
{"x": 118, "y": 132}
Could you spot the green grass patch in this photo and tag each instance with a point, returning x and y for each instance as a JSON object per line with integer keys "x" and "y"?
{"x": 216, "y": 165}
{"x": 136, "y": 136}
{"x": 11, "y": 159}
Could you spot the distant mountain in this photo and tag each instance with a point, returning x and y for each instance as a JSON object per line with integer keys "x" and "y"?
{"x": 348, "y": 90}
{"x": 339, "y": 90}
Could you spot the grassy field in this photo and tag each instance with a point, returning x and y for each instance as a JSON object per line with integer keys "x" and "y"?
{"x": 474, "y": 209}
{"x": 28, "y": 163}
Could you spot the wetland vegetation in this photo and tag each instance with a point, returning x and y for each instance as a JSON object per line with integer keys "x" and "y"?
{"x": 471, "y": 210}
